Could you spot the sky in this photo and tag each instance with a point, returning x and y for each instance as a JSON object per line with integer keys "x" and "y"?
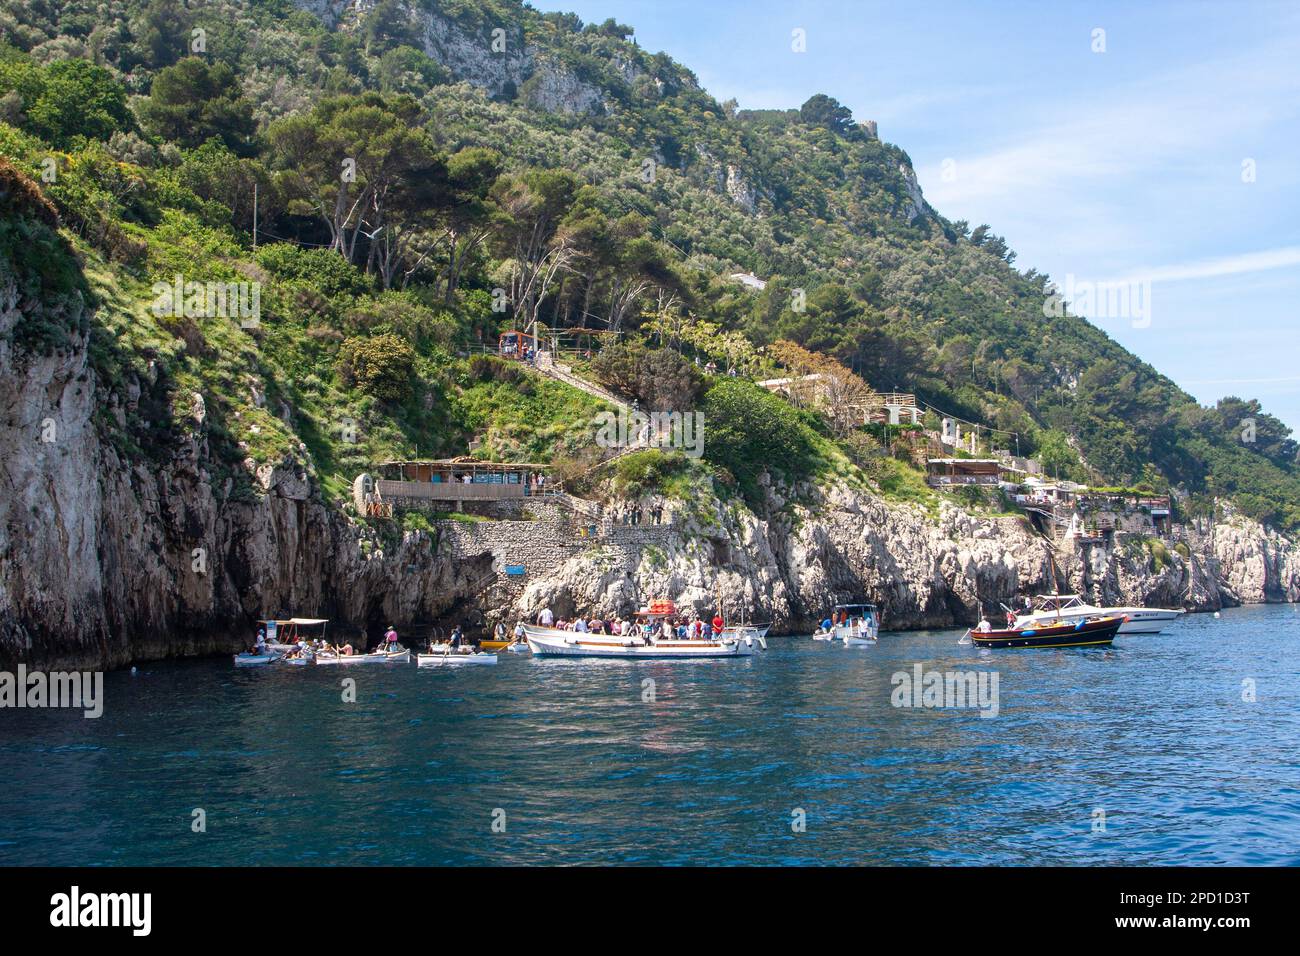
{"x": 1161, "y": 154}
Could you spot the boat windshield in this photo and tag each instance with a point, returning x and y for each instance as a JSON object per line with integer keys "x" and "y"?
{"x": 1058, "y": 602}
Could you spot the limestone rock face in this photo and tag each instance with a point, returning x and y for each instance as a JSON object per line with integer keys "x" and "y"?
{"x": 849, "y": 546}
{"x": 111, "y": 553}
{"x": 557, "y": 90}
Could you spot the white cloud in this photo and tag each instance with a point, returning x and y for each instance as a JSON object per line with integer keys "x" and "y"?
{"x": 1266, "y": 259}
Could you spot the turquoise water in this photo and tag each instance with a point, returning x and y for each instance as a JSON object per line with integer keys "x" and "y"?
{"x": 580, "y": 769}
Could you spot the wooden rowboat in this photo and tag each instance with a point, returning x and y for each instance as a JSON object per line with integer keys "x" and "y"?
{"x": 1090, "y": 632}
{"x": 378, "y": 657}
{"x": 449, "y": 657}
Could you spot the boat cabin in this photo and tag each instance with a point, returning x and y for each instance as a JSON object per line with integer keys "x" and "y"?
{"x": 851, "y": 613}
{"x": 295, "y": 629}
{"x": 1058, "y": 602}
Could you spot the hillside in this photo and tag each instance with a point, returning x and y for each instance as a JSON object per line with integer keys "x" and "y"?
{"x": 250, "y": 251}
{"x": 659, "y": 193}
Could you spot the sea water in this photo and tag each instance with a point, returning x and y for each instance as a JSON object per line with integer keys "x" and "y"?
{"x": 1180, "y": 748}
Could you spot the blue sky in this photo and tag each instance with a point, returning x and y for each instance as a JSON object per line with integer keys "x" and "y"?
{"x": 1118, "y": 165}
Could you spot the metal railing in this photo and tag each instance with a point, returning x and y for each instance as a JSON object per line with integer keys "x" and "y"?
{"x": 449, "y": 490}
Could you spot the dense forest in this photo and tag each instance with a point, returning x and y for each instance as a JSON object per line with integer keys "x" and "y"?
{"x": 403, "y": 180}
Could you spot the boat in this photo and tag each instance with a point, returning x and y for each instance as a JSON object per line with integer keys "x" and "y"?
{"x": 746, "y": 630}
{"x": 1072, "y": 608}
{"x": 1085, "y": 632}
{"x": 444, "y": 655}
{"x": 399, "y": 656}
{"x": 247, "y": 659}
{"x": 857, "y": 625}
{"x": 518, "y": 647}
{"x": 283, "y": 635}
{"x": 551, "y": 642}
{"x": 495, "y": 645}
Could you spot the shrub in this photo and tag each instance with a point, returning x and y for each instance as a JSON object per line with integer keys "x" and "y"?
{"x": 646, "y": 471}
{"x": 324, "y": 269}
{"x": 380, "y": 366}
{"x": 748, "y": 430}
{"x": 660, "y": 379}
{"x": 21, "y": 198}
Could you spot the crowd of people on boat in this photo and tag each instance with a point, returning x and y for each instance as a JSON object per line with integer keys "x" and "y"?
{"x": 308, "y": 647}
{"x": 656, "y": 627}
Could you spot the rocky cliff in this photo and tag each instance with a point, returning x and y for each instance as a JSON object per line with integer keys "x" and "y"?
{"x": 847, "y": 545}
{"x": 109, "y": 556}
{"x": 105, "y": 559}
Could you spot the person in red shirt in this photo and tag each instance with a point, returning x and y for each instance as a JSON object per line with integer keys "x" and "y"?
{"x": 717, "y": 623}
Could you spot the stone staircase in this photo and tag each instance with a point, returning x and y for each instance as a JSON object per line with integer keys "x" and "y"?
{"x": 547, "y": 366}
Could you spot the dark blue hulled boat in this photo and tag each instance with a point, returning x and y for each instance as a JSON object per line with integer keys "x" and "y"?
{"x": 1090, "y": 632}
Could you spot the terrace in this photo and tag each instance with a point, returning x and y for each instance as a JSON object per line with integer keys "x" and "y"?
{"x": 420, "y": 483}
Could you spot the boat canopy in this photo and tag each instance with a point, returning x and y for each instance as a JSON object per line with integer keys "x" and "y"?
{"x": 302, "y": 621}
{"x": 857, "y": 608}
{"x": 1053, "y": 601}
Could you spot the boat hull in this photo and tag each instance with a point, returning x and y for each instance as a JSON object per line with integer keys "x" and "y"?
{"x": 254, "y": 660}
{"x": 1096, "y": 633}
{"x": 454, "y": 660}
{"x": 549, "y": 642}
{"x": 399, "y": 657}
{"x": 857, "y": 635}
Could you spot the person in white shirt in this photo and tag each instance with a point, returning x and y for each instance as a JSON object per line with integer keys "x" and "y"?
{"x": 546, "y": 618}
{"x": 984, "y": 626}
{"x": 580, "y": 625}
{"x": 519, "y": 630}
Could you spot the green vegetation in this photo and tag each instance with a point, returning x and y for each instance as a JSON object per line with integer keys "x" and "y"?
{"x": 652, "y": 470}
{"x": 404, "y": 218}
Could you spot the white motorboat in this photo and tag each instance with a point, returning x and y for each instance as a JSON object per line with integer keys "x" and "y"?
{"x": 552, "y": 642}
{"x": 857, "y": 625}
{"x": 444, "y": 655}
{"x": 1072, "y": 608}
{"x": 746, "y": 630}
